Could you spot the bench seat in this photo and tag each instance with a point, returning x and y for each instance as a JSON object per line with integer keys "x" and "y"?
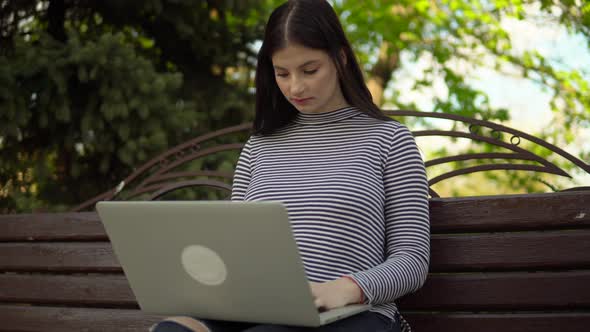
{"x": 509, "y": 263}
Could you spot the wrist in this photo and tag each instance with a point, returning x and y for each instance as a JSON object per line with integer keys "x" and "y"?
{"x": 354, "y": 293}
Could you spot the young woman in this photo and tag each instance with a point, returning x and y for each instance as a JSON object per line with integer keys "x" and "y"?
{"x": 352, "y": 179}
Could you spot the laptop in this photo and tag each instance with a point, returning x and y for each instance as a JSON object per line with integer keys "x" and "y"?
{"x": 221, "y": 260}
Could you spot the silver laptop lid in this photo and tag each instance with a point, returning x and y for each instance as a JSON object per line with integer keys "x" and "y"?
{"x": 223, "y": 260}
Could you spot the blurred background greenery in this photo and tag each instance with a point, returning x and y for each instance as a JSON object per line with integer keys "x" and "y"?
{"x": 90, "y": 90}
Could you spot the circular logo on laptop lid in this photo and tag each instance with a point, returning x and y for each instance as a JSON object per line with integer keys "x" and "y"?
{"x": 204, "y": 265}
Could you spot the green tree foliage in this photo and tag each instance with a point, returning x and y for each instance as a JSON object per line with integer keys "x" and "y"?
{"x": 458, "y": 35}
{"x": 88, "y": 90}
{"x": 91, "y": 89}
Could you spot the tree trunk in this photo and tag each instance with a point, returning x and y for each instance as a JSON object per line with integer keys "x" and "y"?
{"x": 380, "y": 75}
{"x": 56, "y": 17}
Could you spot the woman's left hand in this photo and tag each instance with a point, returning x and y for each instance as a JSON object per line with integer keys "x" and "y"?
{"x": 335, "y": 294}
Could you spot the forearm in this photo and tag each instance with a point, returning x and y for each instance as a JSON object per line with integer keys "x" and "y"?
{"x": 398, "y": 276}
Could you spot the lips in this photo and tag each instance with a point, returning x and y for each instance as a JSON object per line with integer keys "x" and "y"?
{"x": 300, "y": 100}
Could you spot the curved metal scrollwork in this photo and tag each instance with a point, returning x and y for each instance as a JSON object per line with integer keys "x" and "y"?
{"x": 162, "y": 174}
{"x": 475, "y": 133}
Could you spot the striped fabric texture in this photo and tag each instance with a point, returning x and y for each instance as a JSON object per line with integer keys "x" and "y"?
{"x": 356, "y": 193}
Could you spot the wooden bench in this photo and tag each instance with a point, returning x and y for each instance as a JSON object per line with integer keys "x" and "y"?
{"x": 499, "y": 263}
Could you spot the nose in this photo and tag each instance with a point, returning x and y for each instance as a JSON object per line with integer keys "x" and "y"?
{"x": 297, "y": 86}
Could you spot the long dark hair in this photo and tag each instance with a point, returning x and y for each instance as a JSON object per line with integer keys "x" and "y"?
{"x": 313, "y": 24}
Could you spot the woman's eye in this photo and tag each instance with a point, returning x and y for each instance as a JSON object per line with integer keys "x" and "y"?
{"x": 310, "y": 72}
{"x": 282, "y": 75}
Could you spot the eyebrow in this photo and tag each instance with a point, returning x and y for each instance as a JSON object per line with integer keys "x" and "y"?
{"x": 303, "y": 65}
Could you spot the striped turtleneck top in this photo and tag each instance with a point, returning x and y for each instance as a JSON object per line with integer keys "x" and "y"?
{"x": 356, "y": 193}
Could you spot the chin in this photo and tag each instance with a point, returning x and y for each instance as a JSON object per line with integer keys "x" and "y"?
{"x": 303, "y": 108}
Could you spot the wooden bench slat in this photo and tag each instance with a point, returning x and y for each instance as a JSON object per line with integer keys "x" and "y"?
{"x": 476, "y": 252}
{"x": 510, "y": 212}
{"x": 511, "y": 251}
{"x": 49, "y": 319}
{"x": 73, "y": 257}
{"x": 470, "y": 214}
{"x": 472, "y": 291}
{"x": 508, "y": 322}
{"x": 76, "y": 290}
{"x": 83, "y": 226}
{"x": 502, "y": 291}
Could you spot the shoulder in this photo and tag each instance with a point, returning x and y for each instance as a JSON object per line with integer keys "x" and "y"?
{"x": 389, "y": 128}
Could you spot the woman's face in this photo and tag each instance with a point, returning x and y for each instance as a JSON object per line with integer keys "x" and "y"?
{"x": 308, "y": 79}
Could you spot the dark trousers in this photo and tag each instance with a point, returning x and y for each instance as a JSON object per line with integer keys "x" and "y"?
{"x": 364, "y": 322}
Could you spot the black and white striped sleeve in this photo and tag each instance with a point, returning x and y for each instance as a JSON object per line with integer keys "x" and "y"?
{"x": 241, "y": 179}
{"x": 407, "y": 227}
